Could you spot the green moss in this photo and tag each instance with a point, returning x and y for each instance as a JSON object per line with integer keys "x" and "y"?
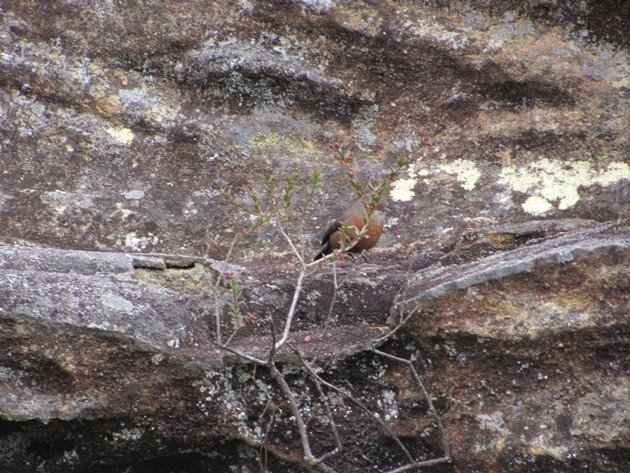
{"x": 278, "y": 144}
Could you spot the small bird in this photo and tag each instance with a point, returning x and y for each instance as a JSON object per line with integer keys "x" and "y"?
{"x": 355, "y": 217}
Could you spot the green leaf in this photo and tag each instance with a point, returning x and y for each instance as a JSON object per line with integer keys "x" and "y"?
{"x": 234, "y": 304}
{"x": 268, "y": 183}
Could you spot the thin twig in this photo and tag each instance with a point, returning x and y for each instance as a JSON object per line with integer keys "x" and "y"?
{"x": 290, "y": 242}
{"x": 292, "y": 309}
{"x": 432, "y": 462}
{"x": 240, "y": 354}
{"x": 263, "y": 466}
{"x": 333, "y": 301}
{"x": 295, "y": 410}
{"x": 392, "y": 332}
{"x": 359, "y": 404}
{"x": 409, "y": 363}
{"x": 272, "y": 347}
{"x": 329, "y": 415}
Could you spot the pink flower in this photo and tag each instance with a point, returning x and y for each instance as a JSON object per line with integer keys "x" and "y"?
{"x": 229, "y": 275}
{"x": 335, "y": 145}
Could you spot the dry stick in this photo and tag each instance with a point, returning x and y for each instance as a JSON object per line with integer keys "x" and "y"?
{"x": 295, "y": 410}
{"x": 333, "y": 426}
{"x": 298, "y": 287}
{"x": 401, "y": 323}
{"x": 296, "y": 293}
{"x": 420, "y": 464}
{"x": 331, "y": 420}
{"x": 240, "y": 354}
{"x": 291, "y": 245}
{"x": 296, "y": 296}
{"x": 272, "y": 419}
{"x": 309, "y": 458}
{"x": 333, "y": 301}
{"x": 231, "y": 337}
{"x": 392, "y": 332}
{"x": 409, "y": 363}
{"x": 358, "y": 403}
{"x": 325, "y": 468}
{"x": 305, "y": 210}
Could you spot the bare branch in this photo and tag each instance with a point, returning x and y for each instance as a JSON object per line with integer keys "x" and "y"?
{"x": 272, "y": 348}
{"x": 402, "y": 320}
{"x": 290, "y": 242}
{"x": 331, "y": 420}
{"x": 325, "y": 468}
{"x": 240, "y": 354}
{"x": 231, "y": 337}
{"x": 263, "y": 445}
{"x": 333, "y": 301}
{"x": 392, "y": 332}
{"x": 292, "y": 309}
{"x": 359, "y": 404}
{"x": 295, "y": 410}
{"x": 409, "y": 363}
{"x": 433, "y": 462}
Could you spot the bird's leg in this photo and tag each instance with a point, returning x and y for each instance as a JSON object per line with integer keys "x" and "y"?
{"x": 363, "y": 256}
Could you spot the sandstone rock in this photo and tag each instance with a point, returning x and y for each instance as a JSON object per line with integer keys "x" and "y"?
{"x": 119, "y": 124}
{"x": 529, "y": 345}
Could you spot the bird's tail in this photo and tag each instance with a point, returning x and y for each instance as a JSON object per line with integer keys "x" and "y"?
{"x": 324, "y": 250}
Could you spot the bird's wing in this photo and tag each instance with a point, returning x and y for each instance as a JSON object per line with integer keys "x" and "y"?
{"x": 334, "y": 226}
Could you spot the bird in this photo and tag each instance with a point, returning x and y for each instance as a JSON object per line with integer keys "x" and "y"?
{"x": 354, "y": 216}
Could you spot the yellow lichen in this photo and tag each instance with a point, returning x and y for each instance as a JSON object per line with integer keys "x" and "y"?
{"x": 465, "y": 170}
{"x": 402, "y": 189}
{"x": 555, "y": 184}
{"x": 122, "y": 135}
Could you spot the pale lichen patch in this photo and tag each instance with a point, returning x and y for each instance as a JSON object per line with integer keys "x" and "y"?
{"x": 122, "y": 135}
{"x": 465, "y": 170}
{"x": 402, "y": 189}
{"x": 139, "y": 243}
{"x": 555, "y": 184}
{"x": 536, "y": 205}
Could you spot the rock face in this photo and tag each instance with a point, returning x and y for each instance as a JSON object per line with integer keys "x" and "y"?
{"x": 119, "y": 126}
{"x": 530, "y": 345}
{"x": 525, "y": 351}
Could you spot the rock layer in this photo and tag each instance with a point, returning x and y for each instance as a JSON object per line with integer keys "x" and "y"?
{"x": 121, "y": 123}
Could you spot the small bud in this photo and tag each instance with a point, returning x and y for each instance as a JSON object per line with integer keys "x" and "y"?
{"x": 425, "y": 137}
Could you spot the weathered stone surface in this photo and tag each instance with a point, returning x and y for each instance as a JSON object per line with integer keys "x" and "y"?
{"x": 97, "y": 290}
{"x": 120, "y": 122}
{"x": 525, "y": 348}
{"x": 530, "y": 346}
{"x": 118, "y": 125}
